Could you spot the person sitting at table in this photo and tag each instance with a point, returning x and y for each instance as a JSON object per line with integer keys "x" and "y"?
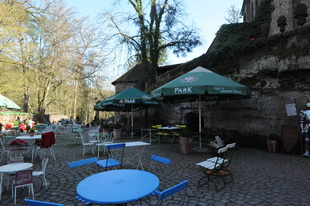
{"x": 22, "y": 127}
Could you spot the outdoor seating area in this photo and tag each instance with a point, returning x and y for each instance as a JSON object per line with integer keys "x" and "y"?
{"x": 229, "y": 180}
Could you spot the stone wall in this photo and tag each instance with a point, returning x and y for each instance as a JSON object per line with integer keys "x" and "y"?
{"x": 282, "y": 7}
{"x": 286, "y": 8}
{"x": 276, "y": 77}
{"x": 9, "y": 118}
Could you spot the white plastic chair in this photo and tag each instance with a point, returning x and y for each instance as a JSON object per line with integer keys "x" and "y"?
{"x": 6, "y": 149}
{"x": 42, "y": 172}
{"x": 22, "y": 179}
{"x": 11, "y": 175}
{"x": 93, "y": 136}
{"x": 86, "y": 143}
{"x": 104, "y": 139}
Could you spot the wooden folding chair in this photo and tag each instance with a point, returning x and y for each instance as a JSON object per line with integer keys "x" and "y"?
{"x": 213, "y": 170}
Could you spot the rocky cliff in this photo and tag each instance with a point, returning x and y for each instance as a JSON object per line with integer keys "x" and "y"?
{"x": 276, "y": 68}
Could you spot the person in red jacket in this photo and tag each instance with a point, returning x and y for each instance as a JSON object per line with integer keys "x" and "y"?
{"x": 22, "y": 127}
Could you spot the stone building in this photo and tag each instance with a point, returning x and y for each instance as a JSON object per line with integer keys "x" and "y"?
{"x": 276, "y": 69}
{"x": 282, "y": 7}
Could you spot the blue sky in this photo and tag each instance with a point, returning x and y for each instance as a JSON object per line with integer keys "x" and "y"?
{"x": 208, "y": 15}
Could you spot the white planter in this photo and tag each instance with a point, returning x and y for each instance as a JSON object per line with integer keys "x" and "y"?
{"x": 117, "y": 133}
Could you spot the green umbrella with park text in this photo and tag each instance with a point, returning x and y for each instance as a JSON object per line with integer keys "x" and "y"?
{"x": 200, "y": 84}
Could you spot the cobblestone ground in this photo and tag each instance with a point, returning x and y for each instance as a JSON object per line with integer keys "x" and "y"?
{"x": 260, "y": 178}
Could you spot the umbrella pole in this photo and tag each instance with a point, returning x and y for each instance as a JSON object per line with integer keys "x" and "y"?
{"x": 131, "y": 120}
{"x": 199, "y": 111}
{"x": 200, "y": 149}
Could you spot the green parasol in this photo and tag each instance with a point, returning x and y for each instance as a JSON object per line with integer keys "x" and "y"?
{"x": 7, "y": 103}
{"x": 200, "y": 84}
{"x": 128, "y": 100}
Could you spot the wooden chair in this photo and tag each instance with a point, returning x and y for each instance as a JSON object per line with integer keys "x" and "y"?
{"x": 226, "y": 161}
{"x": 213, "y": 170}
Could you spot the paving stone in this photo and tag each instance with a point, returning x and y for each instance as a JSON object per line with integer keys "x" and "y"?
{"x": 260, "y": 178}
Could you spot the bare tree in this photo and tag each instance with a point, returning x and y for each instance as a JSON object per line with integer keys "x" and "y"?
{"x": 158, "y": 28}
{"x": 233, "y": 15}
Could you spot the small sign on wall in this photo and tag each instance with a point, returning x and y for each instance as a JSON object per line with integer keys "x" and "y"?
{"x": 291, "y": 109}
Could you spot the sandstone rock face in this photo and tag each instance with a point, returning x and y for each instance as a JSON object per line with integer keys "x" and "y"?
{"x": 276, "y": 78}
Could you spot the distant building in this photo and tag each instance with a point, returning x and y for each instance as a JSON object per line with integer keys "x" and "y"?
{"x": 136, "y": 77}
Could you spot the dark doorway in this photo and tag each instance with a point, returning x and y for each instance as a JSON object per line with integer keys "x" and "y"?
{"x": 191, "y": 119}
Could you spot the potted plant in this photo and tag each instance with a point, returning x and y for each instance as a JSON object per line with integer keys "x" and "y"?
{"x": 186, "y": 141}
{"x": 282, "y": 23}
{"x": 117, "y": 130}
{"x": 301, "y": 13}
{"x": 272, "y": 142}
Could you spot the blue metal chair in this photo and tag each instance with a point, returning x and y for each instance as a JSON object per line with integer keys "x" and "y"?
{"x": 160, "y": 159}
{"x": 83, "y": 162}
{"x": 40, "y": 203}
{"x": 163, "y": 175}
{"x": 115, "y": 155}
{"x": 171, "y": 191}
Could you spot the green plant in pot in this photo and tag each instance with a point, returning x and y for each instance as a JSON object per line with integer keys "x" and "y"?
{"x": 186, "y": 141}
{"x": 272, "y": 142}
{"x": 281, "y": 21}
{"x": 301, "y": 12}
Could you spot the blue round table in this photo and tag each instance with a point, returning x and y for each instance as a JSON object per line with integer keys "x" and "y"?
{"x": 117, "y": 186}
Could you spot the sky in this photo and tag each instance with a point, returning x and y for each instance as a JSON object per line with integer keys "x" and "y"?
{"x": 208, "y": 16}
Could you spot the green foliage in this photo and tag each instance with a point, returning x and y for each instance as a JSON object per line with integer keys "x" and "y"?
{"x": 281, "y": 20}
{"x": 16, "y": 123}
{"x": 230, "y": 34}
{"x": 234, "y": 39}
{"x": 186, "y": 133}
{"x": 300, "y": 9}
{"x": 264, "y": 28}
{"x": 50, "y": 71}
